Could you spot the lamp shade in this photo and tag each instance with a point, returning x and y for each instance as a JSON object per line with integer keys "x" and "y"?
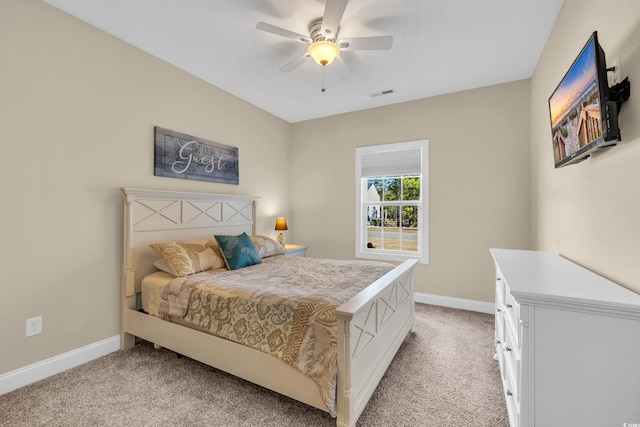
{"x": 324, "y": 51}
{"x": 281, "y": 224}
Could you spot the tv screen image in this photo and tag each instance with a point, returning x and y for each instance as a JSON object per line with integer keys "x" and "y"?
{"x": 579, "y": 108}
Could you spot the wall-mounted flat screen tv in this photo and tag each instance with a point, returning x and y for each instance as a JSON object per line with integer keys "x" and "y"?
{"x": 583, "y": 118}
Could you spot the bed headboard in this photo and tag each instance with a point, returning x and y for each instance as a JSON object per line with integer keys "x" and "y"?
{"x": 159, "y": 216}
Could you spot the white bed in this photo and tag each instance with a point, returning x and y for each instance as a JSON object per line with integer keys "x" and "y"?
{"x": 371, "y": 326}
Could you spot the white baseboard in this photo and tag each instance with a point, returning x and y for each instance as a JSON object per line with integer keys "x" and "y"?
{"x": 54, "y": 365}
{"x": 461, "y": 303}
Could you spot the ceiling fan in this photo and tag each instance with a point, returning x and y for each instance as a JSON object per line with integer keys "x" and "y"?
{"x": 324, "y": 46}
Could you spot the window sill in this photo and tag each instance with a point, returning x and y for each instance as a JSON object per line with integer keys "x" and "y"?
{"x": 391, "y": 256}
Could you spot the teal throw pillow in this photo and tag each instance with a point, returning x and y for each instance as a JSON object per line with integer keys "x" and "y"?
{"x": 238, "y": 251}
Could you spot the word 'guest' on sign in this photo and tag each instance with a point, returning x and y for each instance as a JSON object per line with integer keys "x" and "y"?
{"x": 178, "y": 155}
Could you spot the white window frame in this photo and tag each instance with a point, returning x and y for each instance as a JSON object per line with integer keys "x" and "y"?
{"x": 422, "y": 255}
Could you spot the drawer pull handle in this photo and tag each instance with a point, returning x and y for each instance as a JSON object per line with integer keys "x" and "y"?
{"x": 498, "y": 342}
{"x": 509, "y": 393}
{"x": 498, "y": 279}
{"x": 499, "y": 310}
{"x": 507, "y": 348}
{"x": 509, "y": 306}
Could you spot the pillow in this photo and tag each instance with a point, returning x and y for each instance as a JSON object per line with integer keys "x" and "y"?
{"x": 185, "y": 258}
{"x": 238, "y": 251}
{"x": 162, "y": 265}
{"x": 267, "y": 247}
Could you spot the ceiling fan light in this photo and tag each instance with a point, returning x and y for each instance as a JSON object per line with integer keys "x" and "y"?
{"x": 324, "y": 51}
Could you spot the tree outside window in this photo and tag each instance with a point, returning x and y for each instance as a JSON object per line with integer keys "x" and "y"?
{"x": 392, "y": 218}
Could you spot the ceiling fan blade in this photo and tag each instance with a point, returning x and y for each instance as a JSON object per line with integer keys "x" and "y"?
{"x": 367, "y": 43}
{"x": 333, "y": 11}
{"x": 295, "y": 63}
{"x": 263, "y": 26}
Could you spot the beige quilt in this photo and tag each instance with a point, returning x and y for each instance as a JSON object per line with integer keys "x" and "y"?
{"x": 284, "y": 306}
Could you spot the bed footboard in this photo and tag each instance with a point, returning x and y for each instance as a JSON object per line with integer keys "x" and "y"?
{"x": 371, "y": 327}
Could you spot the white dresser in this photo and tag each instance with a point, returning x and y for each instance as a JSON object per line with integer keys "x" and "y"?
{"x": 568, "y": 343}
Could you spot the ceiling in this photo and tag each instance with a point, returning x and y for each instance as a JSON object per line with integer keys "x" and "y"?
{"x": 439, "y": 47}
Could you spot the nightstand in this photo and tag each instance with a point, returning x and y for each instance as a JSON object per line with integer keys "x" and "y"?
{"x": 296, "y": 250}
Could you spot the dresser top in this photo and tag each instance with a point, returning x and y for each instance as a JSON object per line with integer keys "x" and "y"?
{"x": 546, "y": 278}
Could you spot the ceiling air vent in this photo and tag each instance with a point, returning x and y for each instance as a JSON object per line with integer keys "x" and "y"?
{"x": 382, "y": 92}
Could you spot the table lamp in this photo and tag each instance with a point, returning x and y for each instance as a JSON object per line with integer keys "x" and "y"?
{"x": 281, "y": 224}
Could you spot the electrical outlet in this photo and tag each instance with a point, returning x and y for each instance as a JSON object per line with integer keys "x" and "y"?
{"x": 34, "y": 326}
{"x": 614, "y": 75}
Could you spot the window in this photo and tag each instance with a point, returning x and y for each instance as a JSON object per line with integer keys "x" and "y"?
{"x": 391, "y": 201}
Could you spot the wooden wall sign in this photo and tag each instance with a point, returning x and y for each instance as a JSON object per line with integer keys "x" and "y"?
{"x": 178, "y": 155}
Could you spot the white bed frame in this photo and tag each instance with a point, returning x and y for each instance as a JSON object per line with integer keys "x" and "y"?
{"x": 371, "y": 326}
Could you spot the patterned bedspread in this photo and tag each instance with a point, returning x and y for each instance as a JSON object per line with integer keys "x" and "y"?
{"x": 284, "y": 306}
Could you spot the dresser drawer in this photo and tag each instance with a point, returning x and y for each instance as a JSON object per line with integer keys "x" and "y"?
{"x": 499, "y": 332}
{"x": 512, "y": 359}
{"x": 511, "y": 378}
{"x": 499, "y": 287}
{"x": 499, "y": 309}
{"x": 499, "y": 297}
{"x": 513, "y": 407}
{"x": 512, "y": 314}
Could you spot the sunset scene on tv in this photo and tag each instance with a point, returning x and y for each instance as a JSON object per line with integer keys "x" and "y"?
{"x": 575, "y": 106}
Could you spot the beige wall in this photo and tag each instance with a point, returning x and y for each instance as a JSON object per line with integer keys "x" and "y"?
{"x": 78, "y": 108}
{"x": 479, "y": 175}
{"x": 589, "y": 212}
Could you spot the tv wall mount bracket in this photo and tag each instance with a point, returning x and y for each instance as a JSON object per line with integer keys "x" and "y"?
{"x": 619, "y": 93}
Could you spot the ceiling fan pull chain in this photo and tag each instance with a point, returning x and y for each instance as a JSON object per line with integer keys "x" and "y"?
{"x": 324, "y": 89}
